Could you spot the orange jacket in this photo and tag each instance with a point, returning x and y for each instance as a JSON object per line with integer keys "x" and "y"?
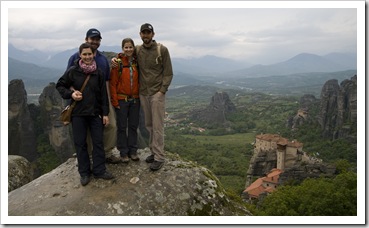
{"x": 124, "y": 81}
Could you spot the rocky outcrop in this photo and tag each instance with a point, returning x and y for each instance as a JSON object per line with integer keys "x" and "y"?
{"x": 180, "y": 188}
{"x": 216, "y": 113}
{"x": 51, "y": 105}
{"x": 261, "y": 163}
{"x": 21, "y": 131}
{"x": 20, "y": 172}
{"x": 338, "y": 108}
{"x": 335, "y": 112}
{"x": 300, "y": 172}
{"x": 307, "y": 102}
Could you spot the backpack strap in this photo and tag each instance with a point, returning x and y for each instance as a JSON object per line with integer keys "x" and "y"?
{"x": 158, "y": 49}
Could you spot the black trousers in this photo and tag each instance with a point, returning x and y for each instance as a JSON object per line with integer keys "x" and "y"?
{"x": 127, "y": 117}
{"x": 80, "y": 124}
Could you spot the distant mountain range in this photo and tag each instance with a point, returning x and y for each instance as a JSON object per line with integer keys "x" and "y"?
{"x": 302, "y": 72}
{"x": 302, "y": 63}
{"x": 212, "y": 66}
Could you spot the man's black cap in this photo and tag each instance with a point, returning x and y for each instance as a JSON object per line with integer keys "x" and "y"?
{"x": 147, "y": 26}
{"x": 93, "y": 33}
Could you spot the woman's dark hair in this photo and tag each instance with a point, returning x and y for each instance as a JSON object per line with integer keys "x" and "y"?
{"x": 83, "y": 46}
{"x": 128, "y": 40}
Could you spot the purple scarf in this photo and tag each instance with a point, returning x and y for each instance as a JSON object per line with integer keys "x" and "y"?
{"x": 87, "y": 69}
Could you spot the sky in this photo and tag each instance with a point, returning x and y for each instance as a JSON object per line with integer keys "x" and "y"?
{"x": 238, "y": 30}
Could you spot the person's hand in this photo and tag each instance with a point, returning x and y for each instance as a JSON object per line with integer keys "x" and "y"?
{"x": 105, "y": 120}
{"x": 114, "y": 62}
{"x": 77, "y": 95}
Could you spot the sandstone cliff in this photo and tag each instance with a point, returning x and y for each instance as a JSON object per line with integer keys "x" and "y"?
{"x": 60, "y": 138}
{"x": 216, "y": 112}
{"x": 307, "y": 103}
{"x": 21, "y": 130}
{"x": 335, "y": 112}
{"x": 338, "y": 108}
{"x": 180, "y": 188}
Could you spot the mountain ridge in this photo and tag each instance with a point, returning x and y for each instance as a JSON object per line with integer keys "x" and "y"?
{"x": 210, "y": 65}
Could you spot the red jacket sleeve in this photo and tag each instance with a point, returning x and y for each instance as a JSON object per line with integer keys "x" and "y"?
{"x": 113, "y": 84}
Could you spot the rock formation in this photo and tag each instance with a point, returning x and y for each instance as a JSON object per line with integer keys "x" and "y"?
{"x": 273, "y": 151}
{"x": 51, "y": 105}
{"x": 338, "y": 108}
{"x": 216, "y": 113}
{"x": 300, "y": 172}
{"x": 335, "y": 111}
{"x": 20, "y": 172}
{"x": 21, "y": 131}
{"x": 180, "y": 188}
{"x": 307, "y": 102}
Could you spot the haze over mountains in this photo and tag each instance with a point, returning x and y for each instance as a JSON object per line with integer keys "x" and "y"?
{"x": 210, "y": 65}
{"x": 38, "y": 69}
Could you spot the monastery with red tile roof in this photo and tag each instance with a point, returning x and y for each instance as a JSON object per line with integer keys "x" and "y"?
{"x": 287, "y": 153}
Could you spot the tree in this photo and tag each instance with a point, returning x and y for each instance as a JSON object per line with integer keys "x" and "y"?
{"x": 314, "y": 197}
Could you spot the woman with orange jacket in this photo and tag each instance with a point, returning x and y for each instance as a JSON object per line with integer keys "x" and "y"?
{"x": 124, "y": 87}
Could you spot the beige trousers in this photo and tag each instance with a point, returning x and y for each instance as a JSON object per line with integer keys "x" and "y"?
{"x": 154, "y": 111}
{"x": 110, "y": 135}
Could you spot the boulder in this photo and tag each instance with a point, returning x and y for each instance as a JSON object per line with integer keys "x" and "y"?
{"x": 180, "y": 188}
{"x": 19, "y": 172}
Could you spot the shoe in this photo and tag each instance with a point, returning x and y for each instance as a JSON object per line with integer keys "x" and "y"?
{"x": 113, "y": 160}
{"x": 156, "y": 165}
{"x": 124, "y": 159}
{"x": 134, "y": 157}
{"x": 85, "y": 180}
{"x": 150, "y": 159}
{"x": 105, "y": 176}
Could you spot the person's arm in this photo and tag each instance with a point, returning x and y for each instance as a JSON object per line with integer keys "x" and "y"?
{"x": 105, "y": 99}
{"x": 113, "y": 63}
{"x": 113, "y": 83}
{"x": 72, "y": 59}
{"x": 64, "y": 84}
{"x": 168, "y": 71}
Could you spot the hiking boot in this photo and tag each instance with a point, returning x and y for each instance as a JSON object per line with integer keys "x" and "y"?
{"x": 156, "y": 165}
{"x": 85, "y": 180}
{"x": 105, "y": 176}
{"x": 125, "y": 159}
{"x": 150, "y": 159}
{"x": 113, "y": 160}
{"x": 134, "y": 157}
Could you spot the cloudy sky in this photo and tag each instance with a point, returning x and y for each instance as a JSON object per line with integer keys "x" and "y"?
{"x": 238, "y": 30}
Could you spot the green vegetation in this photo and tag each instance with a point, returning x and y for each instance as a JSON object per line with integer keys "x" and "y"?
{"x": 314, "y": 197}
{"x": 226, "y": 151}
{"x": 226, "y": 156}
{"x": 48, "y": 160}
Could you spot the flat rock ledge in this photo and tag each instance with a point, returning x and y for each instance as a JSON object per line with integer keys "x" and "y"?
{"x": 180, "y": 188}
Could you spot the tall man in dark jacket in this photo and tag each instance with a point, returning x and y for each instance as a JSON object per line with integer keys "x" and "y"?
{"x": 93, "y": 37}
{"x": 155, "y": 73}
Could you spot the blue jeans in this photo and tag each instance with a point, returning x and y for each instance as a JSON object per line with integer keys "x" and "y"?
{"x": 127, "y": 124}
{"x": 80, "y": 124}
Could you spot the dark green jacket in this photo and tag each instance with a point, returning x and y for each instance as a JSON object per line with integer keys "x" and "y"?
{"x": 155, "y": 72}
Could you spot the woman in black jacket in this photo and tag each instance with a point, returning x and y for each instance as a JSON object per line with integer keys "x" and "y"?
{"x": 91, "y": 111}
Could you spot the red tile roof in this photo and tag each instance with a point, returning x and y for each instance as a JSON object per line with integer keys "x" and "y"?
{"x": 279, "y": 140}
{"x": 256, "y": 188}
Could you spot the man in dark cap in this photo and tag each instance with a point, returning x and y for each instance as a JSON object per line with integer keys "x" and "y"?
{"x": 93, "y": 37}
{"x": 155, "y": 73}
